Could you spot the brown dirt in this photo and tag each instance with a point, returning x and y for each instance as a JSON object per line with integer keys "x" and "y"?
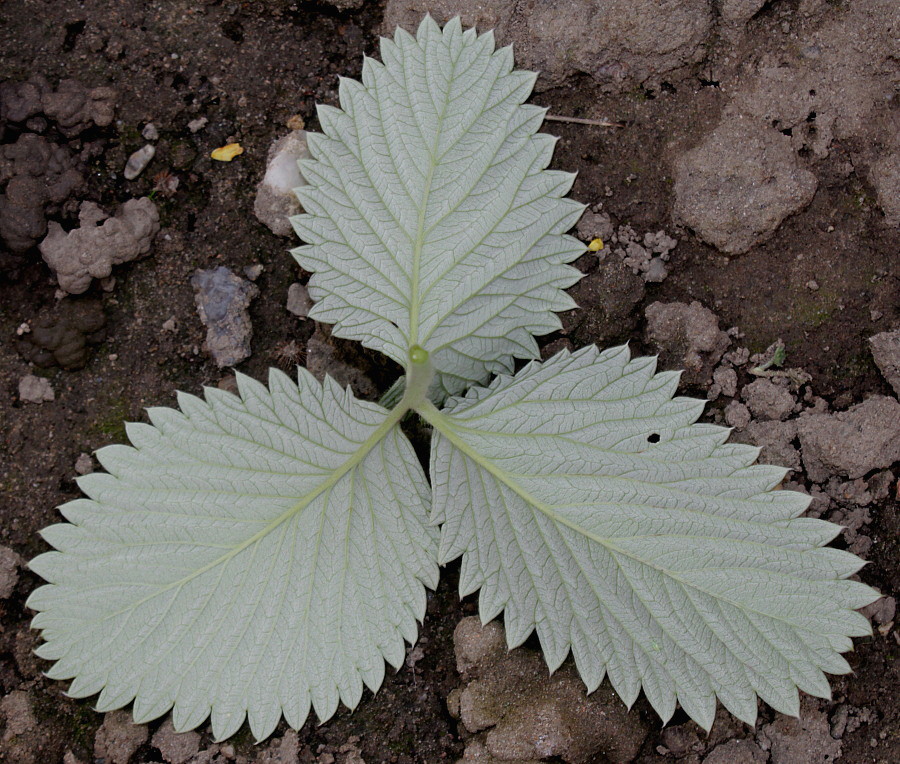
{"x": 248, "y": 67}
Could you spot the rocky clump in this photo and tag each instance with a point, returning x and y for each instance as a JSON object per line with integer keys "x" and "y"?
{"x": 24, "y": 738}
{"x": 736, "y": 752}
{"x": 175, "y": 747}
{"x": 739, "y": 11}
{"x": 118, "y": 738}
{"x": 39, "y": 177}
{"x": 72, "y": 106}
{"x": 90, "y": 251}
{"x": 851, "y": 443}
{"x": 838, "y": 84}
{"x": 885, "y": 177}
{"x": 275, "y": 199}
{"x": 298, "y": 300}
{"x": 620, "y": 43}
{"x": 775, "y": 440}
{"x": 222, "y": 301}
{"x": 886, "y": 352}
{"x": 10, "y": 563}
{"x": 34, "y": 389}
{"x": 63, "y": 335}
{"x": 807, "y": 739}
{"x": 323, "y": 359}
{"x": 766, "y": 400}
{"x": 739, "y": 184}
{"x": 645, "y": 255}
{"x": 688, "y": 337}
{"x": 520, "y": 714}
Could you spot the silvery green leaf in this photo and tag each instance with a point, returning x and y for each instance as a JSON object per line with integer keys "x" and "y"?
{"x": 587, "y": 505}
{"x": 430, "y": 217}
{"x": 248, "y": 556}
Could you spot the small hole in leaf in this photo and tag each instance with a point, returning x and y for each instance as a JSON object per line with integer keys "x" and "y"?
{"x": 653, "y": 437}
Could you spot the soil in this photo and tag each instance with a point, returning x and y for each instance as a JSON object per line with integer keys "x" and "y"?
{"x": 248, "y": 69}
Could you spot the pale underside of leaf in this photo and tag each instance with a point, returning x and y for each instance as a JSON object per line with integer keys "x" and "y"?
{"x": 429, "y": 215}
{"x": 248, "y": 557}
{"x": 668, "y": 564}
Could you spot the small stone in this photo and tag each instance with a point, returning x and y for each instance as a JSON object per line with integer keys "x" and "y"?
{"x": 23, "y": 328}
{"x": 737, "y": 415}
{"x": 119, "y": 737}
{"x": 84, "y": 464}
{"x": 298, "y": 300}
{"x": 295, "y": 122}
{"x": 222, "y": 301}
{"x": 275, "y": 199}
{"x": 10, "y": 563}
{"x": 150, "y": 133}
{"x": 34, "y": 389}
{"x": 196, "y": 125}
{"x": 595, "y": 225}
{"x": 170, "y": 325}
{"x": 108, "y": 284}
{"x": 138, "y": 161}
{"x": 812, "y": 285}
{"x": 727, "y": 380}
{"x": 253, "y": 272}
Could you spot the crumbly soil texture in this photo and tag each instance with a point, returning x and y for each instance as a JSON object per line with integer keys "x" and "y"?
{"x": 751, "y": 176}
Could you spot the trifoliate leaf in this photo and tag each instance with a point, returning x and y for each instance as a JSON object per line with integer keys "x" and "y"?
{"x": 247, "y": 557}
{"x": 587, "y": 505}
{"x": 430, "y": 216}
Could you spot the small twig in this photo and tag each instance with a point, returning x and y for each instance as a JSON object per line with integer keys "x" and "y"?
{"x": 580, "y": 121}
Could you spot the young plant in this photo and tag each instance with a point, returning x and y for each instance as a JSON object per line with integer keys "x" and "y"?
{"x": 254, "y": 556}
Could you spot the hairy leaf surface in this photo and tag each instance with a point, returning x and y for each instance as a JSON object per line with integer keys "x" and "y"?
{"x": 588, "y": 505}
{"x": 430, "y": 217}
{"x": 247, "y": 557}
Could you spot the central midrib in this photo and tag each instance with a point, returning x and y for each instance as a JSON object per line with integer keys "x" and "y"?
{"x": 415, "y": 297}
{"x": 443, "y": 424}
